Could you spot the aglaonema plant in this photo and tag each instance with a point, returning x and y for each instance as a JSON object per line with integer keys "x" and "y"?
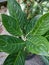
{"x": 25, "y": 36}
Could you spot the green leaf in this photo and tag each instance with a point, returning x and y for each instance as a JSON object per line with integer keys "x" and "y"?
{"x": 16, "y": 11}
{"x": 45, "y": 60}
{"x": 47, "y": 36}
{"x": 38, "y": 45}
{"x": 14, "y": 8}
{"x": 31, "y": 23}
{"x": 15, "y": 59}
{"x": 42, "y": 25}
{"x": 11, "y": 25}
{"x": 10, "y": 44}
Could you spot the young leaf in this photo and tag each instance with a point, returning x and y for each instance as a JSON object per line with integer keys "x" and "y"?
{"x": 15, "y": 59}
{"x": 42, "y": 25}
{"x": 14, "y": 8}
{"x": 10, "y": 44}
{"x": 11, "y": 25}
{"x": 31, "y": 23}
{"x": 16, "y": 11}
{"x": 38, "y": 45}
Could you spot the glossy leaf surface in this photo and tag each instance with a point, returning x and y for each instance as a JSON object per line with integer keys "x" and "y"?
{"x": 10, "y": 44}
{"x": 15, "y": 59}
{"x": 42, "y": 25}
{"x": 11, "y": 25}
{"x": 38, "y": 45}
{"x": 31, "y": 23}
{"x": 16, "y": 11}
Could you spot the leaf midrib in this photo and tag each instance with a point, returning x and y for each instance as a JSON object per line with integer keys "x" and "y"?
{"x": 37, "y": 28}
{"x": 17, "y": 57}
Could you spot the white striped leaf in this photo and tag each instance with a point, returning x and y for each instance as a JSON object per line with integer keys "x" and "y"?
{"x": 10, "y": 44}
{"x": 38, "y": 45}
{"x": 15, "y": 59}
{"x": 11, "y": 25}
{"x": 16, "y": 11}
{"x": 41, "y": 26}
